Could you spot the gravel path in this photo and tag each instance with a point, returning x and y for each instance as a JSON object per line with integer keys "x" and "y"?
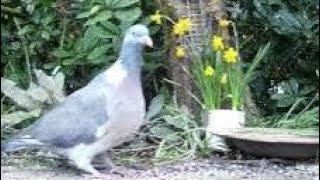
{"x": 197, "y": 170}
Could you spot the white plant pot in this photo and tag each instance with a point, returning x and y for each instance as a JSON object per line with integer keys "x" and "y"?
{"x": 221, "y": 121}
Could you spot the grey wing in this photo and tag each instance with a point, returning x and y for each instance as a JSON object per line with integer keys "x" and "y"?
{"x": 75, "y": 121}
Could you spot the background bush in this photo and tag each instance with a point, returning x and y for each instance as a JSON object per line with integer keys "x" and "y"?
{"x": 82, "y": 38}
{"x": 290, "y": 72}
{"x": 79, "y": 37}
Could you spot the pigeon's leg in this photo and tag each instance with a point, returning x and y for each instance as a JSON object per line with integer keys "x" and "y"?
{"x": 103, "y": 161}
{"x": 106, "y": 163}
{"x": 85, "y": 165}
{"x": 81, "y": 156}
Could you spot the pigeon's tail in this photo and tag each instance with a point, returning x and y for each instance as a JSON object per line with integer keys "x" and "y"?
{"x": 18, "y": 144}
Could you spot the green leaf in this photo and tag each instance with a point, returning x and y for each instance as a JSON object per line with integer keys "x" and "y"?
{"x": 18, "y": 117}
{"x": 25, "y": 30}
{"x": 286, "y": 22}
{"x": 45, "y": 35}
{"x": 50, "y": 65}
{"x": 98, "y": 52}
{"x": 4, "y": 32}
{"x": 74, "y": 60}
{"x": 108, "y": 3}
{"x": 87, "y": 14}
{"x": 117, "y": 4}
{"x": 68, "y": 62}
{"x": 102, "y": 16}
{"x": 284, "y": 100}
{"x": 62, "y": 54}
{"x": 111, "y": 27}
{"x": 128, "y": 15}
{"x": 176, "y": 122}
{"x": 155, "y": 107}
{"x": 100, "y": 60}
{"x": 92, "y": 37}
{"x": 161, "y": 131}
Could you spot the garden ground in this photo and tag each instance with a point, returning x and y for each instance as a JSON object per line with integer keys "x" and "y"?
{"x": 214, "y": 169}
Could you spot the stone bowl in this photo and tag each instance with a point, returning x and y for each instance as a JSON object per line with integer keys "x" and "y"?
{"x": 269, "y": 142}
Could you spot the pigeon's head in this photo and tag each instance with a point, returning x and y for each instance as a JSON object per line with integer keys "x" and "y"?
{"x": 138, "y": 35}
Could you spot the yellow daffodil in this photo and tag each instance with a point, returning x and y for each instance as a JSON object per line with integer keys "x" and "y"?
{"x": 157, "y": 18}
{"x": 182, "y": 27}
{"x": 209, "y": 72}
{"x": 180, "y": 52}
{"x": 231, "y": 56}
{"x": 217, "y": 43}
{"x": 224, "y": 79}
{"x": 178, "y": 30}
{"x": 186, "y": 24}
{"x": 224, "y": 23}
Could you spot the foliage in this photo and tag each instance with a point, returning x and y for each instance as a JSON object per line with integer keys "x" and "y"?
{"x": 304, "y": 120}
{"x": 47, "y": 90}
{"x": 42, "y": 94}
{"x": 77, "y": 38}
{"x": 289, "y": 92}
{"x": 180, "y": 135}
{"x": 80, "y": 37}
{"x": 293, "y": 29}
{"x": 295, "y": 118}
{"x": 169, "y": 134}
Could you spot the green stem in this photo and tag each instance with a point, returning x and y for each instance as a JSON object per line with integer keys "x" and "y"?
{"x": 25, "y": 48}
{"x": 169, "y": 19}
{"x": 308, "y": 105}
{"x": 63, "y": 36}
{"x": 236, "y": 38}
{"x": 64, "y": 29}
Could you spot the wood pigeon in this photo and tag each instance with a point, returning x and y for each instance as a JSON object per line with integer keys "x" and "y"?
{"x": 104, "y": 114}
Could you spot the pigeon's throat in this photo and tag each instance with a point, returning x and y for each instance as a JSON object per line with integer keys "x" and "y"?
{"x": 132, "y": 57}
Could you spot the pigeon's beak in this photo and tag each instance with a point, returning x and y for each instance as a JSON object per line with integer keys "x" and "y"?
{"x": 148, "y": 41}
